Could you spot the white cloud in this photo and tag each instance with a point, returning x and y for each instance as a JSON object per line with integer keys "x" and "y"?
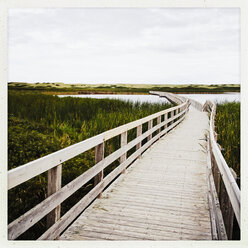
{"x": 124, "y": 45}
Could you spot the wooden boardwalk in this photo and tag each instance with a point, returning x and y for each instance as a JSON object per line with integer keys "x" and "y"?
{"x": 162, "y": 195}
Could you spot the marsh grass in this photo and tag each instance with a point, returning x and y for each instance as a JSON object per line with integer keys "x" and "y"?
{"x": 227, "y": 122}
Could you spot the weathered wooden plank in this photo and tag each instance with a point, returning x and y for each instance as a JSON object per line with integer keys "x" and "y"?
{"x": 163, "y": 220}
{"x": 53, "y": 185}
{"x": 25, "y": 172}
{"x": 176, "y": 229}
{"x": 136, "y": 197}
{"x": 162, "y": 223}
{"x": 228, "y": 216}
{"x": 166, "y": 211}
{"x": 66, "y": 219}
{"x": 139, "y": 132}
{"x": 123, "y": 143}
{"x": 32, "y": 216}
{"x": 124, "y": 228}
{"x": 167, "y": 197}
{"x": 150, "y": 124}
{"x": 69, "y": 216}
{"x": 158, "y": 122}
{"x": 99, "y": 156}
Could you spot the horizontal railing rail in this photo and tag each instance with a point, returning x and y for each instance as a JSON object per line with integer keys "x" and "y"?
{"x": 228, "y": 191}
{"x": 166, "y": 120}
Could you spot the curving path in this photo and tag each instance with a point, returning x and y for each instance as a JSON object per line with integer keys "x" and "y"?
{"x": 162, "y": 195}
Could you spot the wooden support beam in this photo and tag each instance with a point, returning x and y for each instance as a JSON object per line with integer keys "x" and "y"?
{"x": 123, "y": 143}
{"x": 176, "y": 112}
{"x": 165, "y": 119}
{"x": 150, "y": 124}
{"x": 99, "y": 155}
{"x": 171, "y": 115}
{"x": 54, "y": 177}
{"x": 227, "y": 209}
{"x": 139, "y": 132}
{"x": 158, "y": 122}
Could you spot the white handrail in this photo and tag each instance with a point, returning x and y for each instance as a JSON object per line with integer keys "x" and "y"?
{"x": 228, "y": 179}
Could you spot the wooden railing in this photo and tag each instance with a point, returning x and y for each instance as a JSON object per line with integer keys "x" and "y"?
{"x": 178, "y": 99}
{"x": 53, "y": 163}
{"x": 224, "y": 191}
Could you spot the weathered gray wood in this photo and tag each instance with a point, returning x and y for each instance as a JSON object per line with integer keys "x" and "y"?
{"x": 158, "y": 122}
{"x": 161, "y": 222}
{"x": 31, "y": 217}
{"x": 99, "y": 156}
{"x": 141, "y": 204}
{"x": 227, "y": 210}
{"x": 216, "y": 175}
{"x": 171, "y": 116}
{"x": 217, "y": 222}
{"x": 171, "y": 97}
{"x": 139, "y": 132}
{"x": 227, "y": 177}
{"x": 165, "y": 120}
{"x": 25, "y": 221}
{"x": 66, "y": 219}
{"x": 25, "y": 172}
{"x": 54, "y": 177}
{"x": 228, "y": 191}
{"x": 150, "y": 124}
{"x": 123, "y": 143}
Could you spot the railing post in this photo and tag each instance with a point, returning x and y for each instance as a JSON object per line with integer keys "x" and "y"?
{"x": 165, "y": 119}
{"x": 139, "y": 132}
{"x": 150, "y": 123}
{"x": 123, "y": 143}
{"x": 171, "y": 115}
{"x": 158, "y": 122}
{"x": 54, "y": 176}
{"x": 99, "y": 155}
{"x": 216, "y": 174}
{"x": 176, "y": 111}
{"x": 227, "y": 210}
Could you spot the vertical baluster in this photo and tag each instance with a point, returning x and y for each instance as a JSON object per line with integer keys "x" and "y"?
{"x": 150, "y": 123}
{"x": 165, "y": 119}
{"x": 158, "y": 122}
{"x": 139, "y": 132}
{"x": 176, "y": 111}
{"x": 227, "y": 210}
{"x": 172, "y": 114}
{"x": 54, "y": 176}
{"x": 99, "y": 155}
{"x": 123, "y": 143}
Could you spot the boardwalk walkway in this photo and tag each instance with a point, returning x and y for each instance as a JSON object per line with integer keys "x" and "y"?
{"x": 162, "y": 195}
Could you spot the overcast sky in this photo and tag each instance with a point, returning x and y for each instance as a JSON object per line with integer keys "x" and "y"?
{"x": 124, "y": 45}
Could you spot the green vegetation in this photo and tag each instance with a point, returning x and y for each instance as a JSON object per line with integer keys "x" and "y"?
{"x": 227, "y": 123}
{"x": 40, "y": 124}
{"x": 58, "y": 88}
